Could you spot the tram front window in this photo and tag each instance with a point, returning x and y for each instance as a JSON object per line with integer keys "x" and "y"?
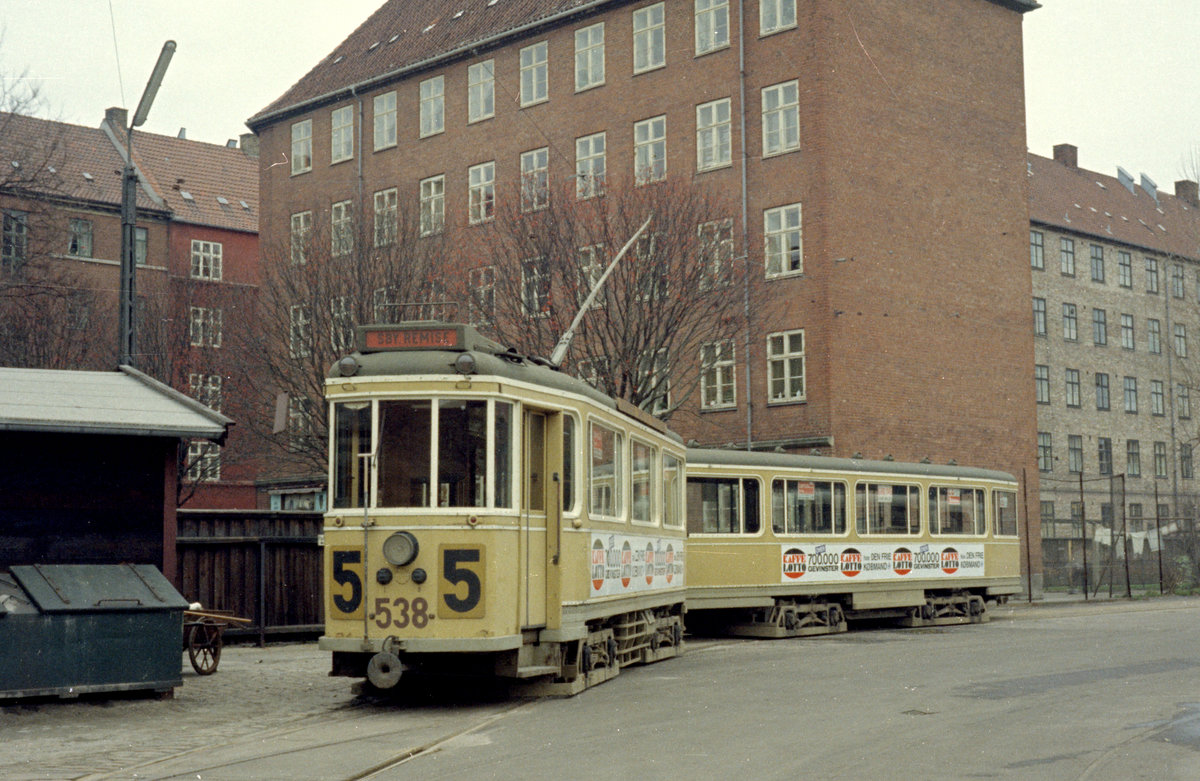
{"x": 462, "y": 453}
{"x": 404, "y": 439}
{"x": 352, "y": 431}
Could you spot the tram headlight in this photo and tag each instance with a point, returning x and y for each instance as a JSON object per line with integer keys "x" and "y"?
{"x": 400, "y": 549}
{"x": 348, "y": 366}
{"x": 465, "y": 364}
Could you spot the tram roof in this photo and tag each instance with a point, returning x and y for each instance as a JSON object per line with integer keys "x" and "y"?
{"x": 745, "y": 458}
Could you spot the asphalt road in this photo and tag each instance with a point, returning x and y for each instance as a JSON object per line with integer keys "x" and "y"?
{"x": 1098, "y": 691}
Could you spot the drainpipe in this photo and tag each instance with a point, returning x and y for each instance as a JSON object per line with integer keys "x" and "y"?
{"x": 745, "y": 220}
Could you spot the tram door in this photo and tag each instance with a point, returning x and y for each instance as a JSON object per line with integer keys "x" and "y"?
{"x": 533, "y": 521}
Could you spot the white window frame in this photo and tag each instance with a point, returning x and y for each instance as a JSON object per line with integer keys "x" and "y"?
{"x": 535, "y": 179}
{"x": 781, "y": 118}
{"x": 649, "y": 38}
{"x": 660, "y": 371}
{"x": 592, "y": 262}
{"x": 341, "y": 323}
{"x": 780, "y": 223}
{"x": 535, "y": 288}
{"x": 206, "y": 389}
{"x": 341, "y": 134}
{"x": 341, "y": 229}
{"x": 589, "y": 57}
{"x": 716, "y": 252}
{"x": 385, "y": 120}
{"x": 204, "y": 461}
{"x": 433, "y": 204}
{"x": 712, "y": 26}
{"x": 481, "y": 184}
{"x": 386, "y": 211}
{"x": 535, "y": 74}
{"x": 785, "y": 366}
{"x": 299, "y": 233}
{"x": 299, "y": 331}
{"x": 206, "y": 260}
{"x": 302, "y": 147}
{"x": 205, "y": 326}
{"x": 714, "y": 141}
{"x": 590, "y": 163}
{"x": 650, "y": 150}
{"x": 433, "y": 106}
{"x": 80, "y": 242}
{"x": 483, "y": 295}
{"x": 776, "y": 15}
{"x": 481, "y": 91}
{"x": 718, "y": 375}
{"x": 1181, "y": 340}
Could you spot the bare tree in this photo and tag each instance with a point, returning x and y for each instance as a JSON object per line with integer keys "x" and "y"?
{"x": 678, "y": 288}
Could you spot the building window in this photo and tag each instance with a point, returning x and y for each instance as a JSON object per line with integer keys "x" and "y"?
{"x": 713, "y": 141}
{"x": 716, "y": 253}
{"x": 433, "y": 106}
{"x": 1037, "y": 250}
{"x": 591, "y": 263}
{"x": 301, "y": 230}
{"x": 1104, "y": 455}
{"x": 385, "y": 217}
{"x": 205, "y": 326}
{"x": 385, "y": 120}
{"x": 1177, "y": 288}
{"x": 781, "y": 118}
{"x": 535, "y": 287}
{"x": 1124, "y": 269}
{"x": 302, "y": 147}
{"x": 1070, "y": 323}
{"x": 1154, "y": 331}
{"x": 482, "y": 192}
{"x": 1074, "y": 453}
{"x": 717, "y": 388}
{"x": 589, "y": 165}
{"x": 341, "y": 323}
{"x": 1127, "y": 340}
{"x": 1102, "y": 402}
{"x": 341, "y": 231}
{"x": 1152, "y": 275}
{"x": 1185, "y": 461}
{"x": 1183, "y": 402}
{"x": 1097, "y": 263}
{"x": 1072, "y": 387}
{"x": 1181, "y": 340}
{"x": 481, "y": 91}
{"x": 1131, "y": 400}
{"x": 80, "y": 244}
{"x": 712, "y": 25}
{"x": 776, "y": 15}
{"x": 783, "y": 239}
{"x": 649, "y": 38}
{"x": 1157, "y": 398}
{"x": 1133, "y": 458}
{"x": 1041, "y": 383}
{"x": 341, "y": 134}
{"x": 206, "y": 389}
{"x": 299, "y": 423}
{"x": 300, "y": 331}
{"x": 433, "y": 205}
{"x": 483, "y": 295}
{"x": 534, "y": 74}
{"x": 1045, "y": 452}
{"x": 659, "y": 382}
{"x": 141, "y": 246}
{"x": 1135, "y": 516}
{"x": 785, "y": 366}
{"x": 1039, "y": 317}
{"x": 594, "y": 372}
{"x": 1066, "y": 256}
{"x": 1160, "y": 459}
{"x": 206, "y": 260}
{"x": 535, "y": 179}
{"x": 650, "y": 150}
{"x": 203, "y": 461}
{"x": 1099, "y": 327}
{"x": 589, "y": 57}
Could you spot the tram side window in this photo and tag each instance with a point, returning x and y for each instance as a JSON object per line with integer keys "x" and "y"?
{"x": 1004, "y": 511}
{"x": 462, "y": 453}
{"x": 568, "y": 479}
{"x": 956, "y": 510}
{"x": 502, "y": 446}
{"x": 404, "y": 446}
{"x": 352, "y": 437}
{"x": 642, "y": 485}
{"x": 808, "y": 507}
{"x": 606, "y": 473}
{"x": 672, "y": 491}
{"x": 882, "y": 508}
{"x": 713, "y": 506}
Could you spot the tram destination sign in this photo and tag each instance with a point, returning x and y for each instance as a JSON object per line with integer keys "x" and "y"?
{"x": 376, "y": 338}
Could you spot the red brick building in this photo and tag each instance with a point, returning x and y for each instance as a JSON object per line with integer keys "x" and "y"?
{"x": 875, "y": 153}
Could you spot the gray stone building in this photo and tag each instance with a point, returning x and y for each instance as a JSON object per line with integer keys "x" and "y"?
{"x": 1116, "y": 321}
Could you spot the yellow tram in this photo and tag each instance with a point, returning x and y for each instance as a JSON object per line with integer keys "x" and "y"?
{"x": 491, "y": 515}
{"x": 785, "y": 545}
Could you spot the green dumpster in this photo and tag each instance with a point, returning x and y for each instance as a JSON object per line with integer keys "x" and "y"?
{"x": 72, "y": 629}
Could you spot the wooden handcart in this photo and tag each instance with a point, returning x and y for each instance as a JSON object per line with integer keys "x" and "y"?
{"x": 203, "y": 636}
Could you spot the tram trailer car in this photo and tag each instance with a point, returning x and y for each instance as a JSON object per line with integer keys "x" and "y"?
{"x": 491, "y": 515}
{"x": 783, "y": 545}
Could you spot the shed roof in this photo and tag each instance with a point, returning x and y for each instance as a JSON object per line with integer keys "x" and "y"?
{"x": 84, "y": 402}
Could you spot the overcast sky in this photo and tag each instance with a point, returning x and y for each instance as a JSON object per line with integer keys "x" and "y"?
{"x": 1117, "y": 78}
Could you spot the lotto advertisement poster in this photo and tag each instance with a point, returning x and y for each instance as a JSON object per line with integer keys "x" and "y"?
{"x": 825, "y": 563}
{"x": 629, "y": 563}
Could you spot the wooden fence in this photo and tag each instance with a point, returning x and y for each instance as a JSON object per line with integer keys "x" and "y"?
{"x": 263, "y": 565}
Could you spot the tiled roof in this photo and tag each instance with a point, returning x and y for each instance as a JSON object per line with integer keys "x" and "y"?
{"x": 407, "y": 34}
{"x": 1088, "y": 203}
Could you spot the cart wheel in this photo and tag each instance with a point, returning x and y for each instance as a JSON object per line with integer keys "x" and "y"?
{"x": 204, "y": 647}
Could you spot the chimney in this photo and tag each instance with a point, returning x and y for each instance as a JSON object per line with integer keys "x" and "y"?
{"x": 1067, "y": 154}
{"x": 1188, "y": 191}
{"x": 249, "y": 144}
{"x": 182, "y": 134}
{"x": 116, "y": 118}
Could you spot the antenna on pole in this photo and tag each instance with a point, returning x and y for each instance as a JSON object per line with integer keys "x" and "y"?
{"x": 564, "y": 341}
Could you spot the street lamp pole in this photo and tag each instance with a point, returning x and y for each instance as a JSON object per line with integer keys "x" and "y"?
{"x": 129, "y": 180}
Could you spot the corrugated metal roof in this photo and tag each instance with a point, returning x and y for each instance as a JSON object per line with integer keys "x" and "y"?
{"x": 121, "y": 402}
